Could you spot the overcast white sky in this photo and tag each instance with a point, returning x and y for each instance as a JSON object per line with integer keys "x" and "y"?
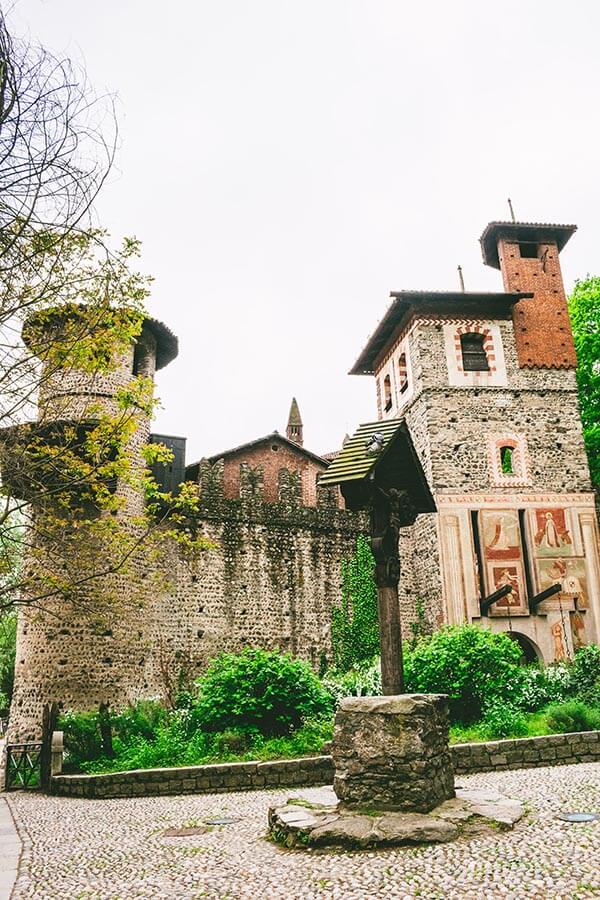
{"x": 287, "y": 163}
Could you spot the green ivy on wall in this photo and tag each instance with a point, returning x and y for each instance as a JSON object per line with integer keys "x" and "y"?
{"x": 355, "y": 624}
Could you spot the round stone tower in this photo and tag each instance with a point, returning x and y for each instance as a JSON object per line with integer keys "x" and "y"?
{"x": 91, "y": 644}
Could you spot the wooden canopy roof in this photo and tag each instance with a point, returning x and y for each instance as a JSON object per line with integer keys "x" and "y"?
{"x": 394, "y": 464}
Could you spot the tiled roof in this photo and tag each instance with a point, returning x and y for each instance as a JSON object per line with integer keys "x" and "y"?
{"x": 352, "y": 461}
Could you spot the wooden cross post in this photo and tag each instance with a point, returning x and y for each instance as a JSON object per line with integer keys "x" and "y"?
{"x": 378, "y": 470}
{"x": 388, "y": 511}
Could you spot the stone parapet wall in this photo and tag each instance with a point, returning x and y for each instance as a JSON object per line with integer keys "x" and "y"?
{"x": 520, "y": 753}
{"x": 527, "y": 753}
{"x": 211, "y": 779}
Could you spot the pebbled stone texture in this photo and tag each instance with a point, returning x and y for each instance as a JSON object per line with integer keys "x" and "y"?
{"x": 116, "y": 850}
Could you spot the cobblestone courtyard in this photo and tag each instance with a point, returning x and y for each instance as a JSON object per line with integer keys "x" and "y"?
{"x": 104, "y": 850}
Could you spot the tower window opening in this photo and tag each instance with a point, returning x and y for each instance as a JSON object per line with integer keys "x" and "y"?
{"x": 528, "y": 250}
{"x": 474, "y": 357}
{"x": 506, "y": 460}
{"x": 387, "y": 393}
{"x": 402, "y": 373}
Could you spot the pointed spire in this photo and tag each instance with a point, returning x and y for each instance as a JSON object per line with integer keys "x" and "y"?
{"x": 294, "y": 425}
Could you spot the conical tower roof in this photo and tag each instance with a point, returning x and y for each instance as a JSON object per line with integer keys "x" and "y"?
{"x": 294, "y": 417}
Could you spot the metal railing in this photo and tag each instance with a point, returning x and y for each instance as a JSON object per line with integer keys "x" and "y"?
{"x": 24, "y": 766}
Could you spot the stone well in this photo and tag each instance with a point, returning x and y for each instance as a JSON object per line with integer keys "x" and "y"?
{"x": 392, "y": 752}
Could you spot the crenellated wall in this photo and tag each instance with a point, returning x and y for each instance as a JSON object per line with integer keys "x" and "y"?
{"x": 271, "y": 581}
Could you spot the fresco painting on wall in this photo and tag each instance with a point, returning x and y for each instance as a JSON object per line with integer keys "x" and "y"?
{"x": 501, "y": 574}
{"x": 501, "y": 534}
{"x": 577, "y": 629}
{"x": 501, "y": 542}
{"x": 552, "y": 535}
{"x": 560, "y": 651}
{"x": 571, "y": 575}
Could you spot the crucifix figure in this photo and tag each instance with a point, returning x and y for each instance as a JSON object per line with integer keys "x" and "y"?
{"x": 389, "y": 510}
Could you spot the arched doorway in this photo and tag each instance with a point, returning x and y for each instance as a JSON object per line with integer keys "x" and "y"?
{"x": 529, "y": 651}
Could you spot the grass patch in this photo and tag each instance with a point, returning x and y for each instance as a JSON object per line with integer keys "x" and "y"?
{"x": 169, "y": 749}
{"x": 555, "y": 719}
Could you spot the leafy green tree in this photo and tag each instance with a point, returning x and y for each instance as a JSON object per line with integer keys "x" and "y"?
{"x": 355, "y": 623}
{"x": 8, "y": 641}
{"x": 584, "y": 310}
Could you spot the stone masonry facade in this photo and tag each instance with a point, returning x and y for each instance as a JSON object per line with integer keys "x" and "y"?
{"x": 502, "y": 447}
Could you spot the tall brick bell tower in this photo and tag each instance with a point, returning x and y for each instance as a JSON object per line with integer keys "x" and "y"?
{"x": 527, "y": 256}
{"x": 486, "y": 383}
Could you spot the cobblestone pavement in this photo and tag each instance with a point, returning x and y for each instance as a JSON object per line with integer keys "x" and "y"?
{"x": 116, "y": 850}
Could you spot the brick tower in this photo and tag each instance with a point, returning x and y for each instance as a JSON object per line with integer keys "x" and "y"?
{"x": 486, "y": 382}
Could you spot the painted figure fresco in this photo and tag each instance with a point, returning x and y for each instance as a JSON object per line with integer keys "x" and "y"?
{"x": 500, "y": 531}
{"x": 571, "y": 575}
{"x": 501, "y": 546}
{"x": 560, "y": 651}
{"x": 552, "y": 534}
{"x": 500, "y": 575}
{"x": 577, "y": 629}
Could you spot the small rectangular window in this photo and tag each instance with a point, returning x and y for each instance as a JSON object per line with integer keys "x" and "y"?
{"x": 528, "y": 250}
{"x": 474, "y": 357}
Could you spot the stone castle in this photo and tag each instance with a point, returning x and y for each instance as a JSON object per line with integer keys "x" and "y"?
{"x": 486, "y": 383}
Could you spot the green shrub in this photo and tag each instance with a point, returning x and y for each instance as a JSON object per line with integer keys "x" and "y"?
{"x": 574, "y": 715}
{"x": 141, "y": 720}
{"x": 502, "y": 720}
{"x": 258, "y": 689}
{"x": 585, "y": 675}
{"x": 539, "y": 687}
{"x": 472, "y": 665}
{"x": 82, "y": 738}
{"x": 355, "y": 624}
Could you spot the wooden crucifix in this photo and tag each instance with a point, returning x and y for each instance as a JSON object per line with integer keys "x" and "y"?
{"x": 379, "y": 471}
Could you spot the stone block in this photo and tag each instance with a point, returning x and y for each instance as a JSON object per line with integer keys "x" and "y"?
{"x": 498, "y": 760}
{"x": 392, "y": 752}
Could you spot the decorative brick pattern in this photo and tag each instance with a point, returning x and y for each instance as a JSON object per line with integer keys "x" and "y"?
{"x": 488, "y": 345}
{"x": 521, "y": 474}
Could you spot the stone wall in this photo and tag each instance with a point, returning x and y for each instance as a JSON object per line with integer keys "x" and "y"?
{"x": 526, "y": 753}
{"x": 272, "y": 580}
{"x": 213, "y": 779}
{"x": 521, "y": 753}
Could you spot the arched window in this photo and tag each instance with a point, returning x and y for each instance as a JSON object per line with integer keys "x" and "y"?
{"x": 507, "y": 460}
{"x": 402, "y": 373}
{"x": 474, "y": 357}
{"x": 387, "y": 393}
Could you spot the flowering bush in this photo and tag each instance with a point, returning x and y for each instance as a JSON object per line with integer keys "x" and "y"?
{"x": 537, "y": 687}
{"x": 362, "y": 680}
